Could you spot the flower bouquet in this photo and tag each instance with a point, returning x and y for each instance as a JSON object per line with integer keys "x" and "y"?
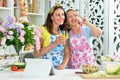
{"x": 19, "y": 34}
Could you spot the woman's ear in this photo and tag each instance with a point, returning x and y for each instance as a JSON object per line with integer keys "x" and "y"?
{"x": 51, "y": 17}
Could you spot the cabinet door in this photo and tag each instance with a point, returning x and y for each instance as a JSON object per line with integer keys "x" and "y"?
{"x": 6, "y": 10}
{"x": 36, "y": 11}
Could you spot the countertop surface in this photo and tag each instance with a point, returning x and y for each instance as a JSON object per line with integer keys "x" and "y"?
{"x": 66, "y": 74}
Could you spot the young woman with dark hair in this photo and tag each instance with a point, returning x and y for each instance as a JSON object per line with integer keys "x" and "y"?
{"x": 54, "y": 38}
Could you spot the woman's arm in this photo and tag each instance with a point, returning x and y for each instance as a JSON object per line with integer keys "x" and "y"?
{"x": 95, "y": 31}
{"x": 45, "y": 50}
{"x": 66, "y": 57}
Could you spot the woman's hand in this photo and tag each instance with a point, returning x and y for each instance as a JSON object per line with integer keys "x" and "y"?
{"x": 60, "y": 40}
{"x": 84, "y": 20}
{"x": 95, "y": 31}
{"x": 60, "y": 67}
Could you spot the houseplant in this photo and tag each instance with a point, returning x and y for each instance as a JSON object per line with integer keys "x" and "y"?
{"x": 19, "y": 34}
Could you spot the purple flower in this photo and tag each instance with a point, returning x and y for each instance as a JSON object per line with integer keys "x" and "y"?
{"x": 18, "y": 29}
{"x": 10, "y": 26}
{"x": 0, "y": 22}
{"x": 10, "y": 20}
{"x": 6, "y": 25}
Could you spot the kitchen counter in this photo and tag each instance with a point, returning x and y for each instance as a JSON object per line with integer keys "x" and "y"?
{"x": 66, "y": 74}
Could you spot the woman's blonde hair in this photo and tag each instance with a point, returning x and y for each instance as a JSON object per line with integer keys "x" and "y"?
{"x": 71, "y": 9}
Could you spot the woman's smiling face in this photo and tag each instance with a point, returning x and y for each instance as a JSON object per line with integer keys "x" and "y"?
{"x": 72, "y": 18}
{"x": 58, "y": 17}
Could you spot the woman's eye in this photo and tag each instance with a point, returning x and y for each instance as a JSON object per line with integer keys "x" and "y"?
{"x": 72, "y": 16}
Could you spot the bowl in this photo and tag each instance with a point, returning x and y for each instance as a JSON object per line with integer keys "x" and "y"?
{"x": 111, "y": 67}
{"x": 88, "y": 68}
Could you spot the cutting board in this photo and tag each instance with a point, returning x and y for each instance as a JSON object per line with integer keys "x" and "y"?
{"x": 90, "y": 76}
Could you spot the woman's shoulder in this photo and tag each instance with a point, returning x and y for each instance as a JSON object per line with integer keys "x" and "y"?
{"x": 44, "y": 31}
{"x": 46, "y": 36}
{"x": 86, "y": 31}
{"x": 84, "y": 27}
{"x": 43, "y": 27}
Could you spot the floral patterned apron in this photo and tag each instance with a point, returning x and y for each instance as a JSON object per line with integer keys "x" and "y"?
{"x": 81, "y": 52}
{"x": 57, "y": 53}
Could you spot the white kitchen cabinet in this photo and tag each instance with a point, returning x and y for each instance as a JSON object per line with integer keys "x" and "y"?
{"x": 39, "y": 17}
{"x": 7, "y": 11}
{"x": 10, "y": 10}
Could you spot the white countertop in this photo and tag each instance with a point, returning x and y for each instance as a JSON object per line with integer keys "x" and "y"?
{"x": 66, "y": 74}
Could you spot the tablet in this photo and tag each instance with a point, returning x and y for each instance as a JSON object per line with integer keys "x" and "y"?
{"x": 38, "y": 67}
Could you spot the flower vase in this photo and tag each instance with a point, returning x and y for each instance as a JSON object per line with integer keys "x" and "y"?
{"x": 18, "y": 49}
{"x": 4, "y": 50}
{"x": 6, "y": 57}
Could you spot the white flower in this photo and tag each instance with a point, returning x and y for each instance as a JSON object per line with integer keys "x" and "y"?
{"x": 24, "y": 19}
{"x": 31, "y": 27}
{"x": 10, "y": 37}
{"x": 17, "y": 24}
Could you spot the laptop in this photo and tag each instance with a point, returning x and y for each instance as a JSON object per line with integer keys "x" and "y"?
{"x": 38, "y": 67}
